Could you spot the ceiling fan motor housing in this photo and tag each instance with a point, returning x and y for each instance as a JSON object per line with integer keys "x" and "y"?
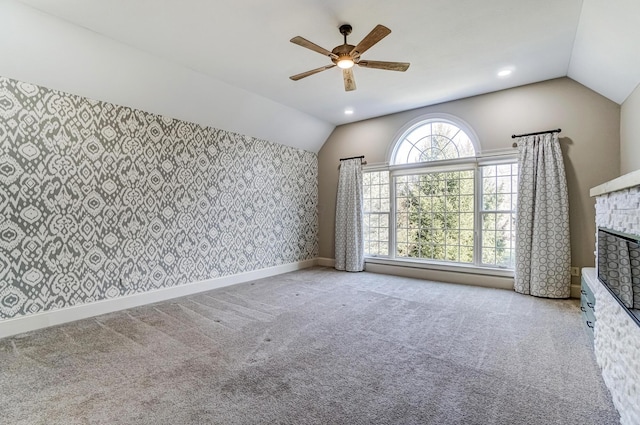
{"x": 343, "y": 52}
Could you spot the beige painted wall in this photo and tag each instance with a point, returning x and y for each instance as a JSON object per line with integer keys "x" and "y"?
{"x": 590, "y": 143}
{"x": 630, "y": 133}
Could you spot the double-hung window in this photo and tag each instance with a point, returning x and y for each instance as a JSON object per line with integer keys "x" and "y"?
{"x": 438, "y": 201}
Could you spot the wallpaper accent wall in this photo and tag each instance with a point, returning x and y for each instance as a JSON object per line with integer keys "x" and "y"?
{"x": 99, "y": 201}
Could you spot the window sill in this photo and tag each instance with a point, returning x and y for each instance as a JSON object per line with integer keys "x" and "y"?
{"x": 458, "y": 268}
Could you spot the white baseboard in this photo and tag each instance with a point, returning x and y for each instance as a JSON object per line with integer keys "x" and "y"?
{"x": 487, "y": 281}
{"x": 45, "y": 319}
{"x": 326, "y": 262}
{"x": 575, "y": 291}
{"x": 500, "y": 282}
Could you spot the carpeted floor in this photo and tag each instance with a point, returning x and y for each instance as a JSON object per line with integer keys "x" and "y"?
{"x": 313, "y": 347}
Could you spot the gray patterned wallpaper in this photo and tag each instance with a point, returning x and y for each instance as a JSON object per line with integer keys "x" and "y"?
{"x": 99, "y": 201}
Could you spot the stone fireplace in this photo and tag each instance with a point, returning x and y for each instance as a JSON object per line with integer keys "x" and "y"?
{"x": 616, "y": 333}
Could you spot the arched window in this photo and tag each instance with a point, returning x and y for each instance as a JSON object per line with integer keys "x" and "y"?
{"x": 432, "y": 140}
{"x": 438, "y": 201}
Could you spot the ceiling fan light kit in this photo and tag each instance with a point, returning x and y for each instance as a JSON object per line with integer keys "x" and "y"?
{"x": 345, "y": 56}
{"x": 345, "y": 62}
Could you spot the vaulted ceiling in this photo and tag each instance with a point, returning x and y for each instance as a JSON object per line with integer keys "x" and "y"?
{"x": 455, "y": 47}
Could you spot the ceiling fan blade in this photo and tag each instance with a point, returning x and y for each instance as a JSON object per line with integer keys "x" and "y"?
{"x": 313, "y": 71}
{"x": 312, "y": 46}
{"x": 390, "y": 66}
{"x": 349, "y": 81}
{"x": 376, "y": 34}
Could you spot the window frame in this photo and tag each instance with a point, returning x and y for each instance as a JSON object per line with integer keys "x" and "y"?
{"x": 379, "y": 213}
{"x": 481, "y": 211}
{"x": 406, "y": 129}
{"x": 475, "y": 163}
{"x": 441, "y": 168}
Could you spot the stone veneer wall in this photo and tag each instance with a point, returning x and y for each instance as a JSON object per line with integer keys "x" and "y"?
{"x": 617, "y": 336}
{"x": 620, "y": 211}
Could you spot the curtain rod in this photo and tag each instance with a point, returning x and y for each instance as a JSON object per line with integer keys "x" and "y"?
{"x": 536, "y": 133}
{"x": 513, "y": 136}
{"x": 352, "y": 157}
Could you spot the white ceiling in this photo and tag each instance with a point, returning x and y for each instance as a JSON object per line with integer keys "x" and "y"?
{"x": 455, "y": 47}
{"x": 605, "y": 53}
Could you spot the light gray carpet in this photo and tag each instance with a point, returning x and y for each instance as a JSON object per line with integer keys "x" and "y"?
{"x": 313, "y": 347}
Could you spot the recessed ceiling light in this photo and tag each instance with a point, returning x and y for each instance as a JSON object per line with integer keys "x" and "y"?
{"x": 504, "y": 73}
{"x": 348, "y": 111}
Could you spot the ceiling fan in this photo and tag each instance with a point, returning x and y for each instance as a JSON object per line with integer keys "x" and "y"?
{"x": 346, "y": 55}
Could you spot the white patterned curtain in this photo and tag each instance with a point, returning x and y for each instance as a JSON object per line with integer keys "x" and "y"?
{"x": 543, "y": 253}
{"x": 349, "y": 216}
